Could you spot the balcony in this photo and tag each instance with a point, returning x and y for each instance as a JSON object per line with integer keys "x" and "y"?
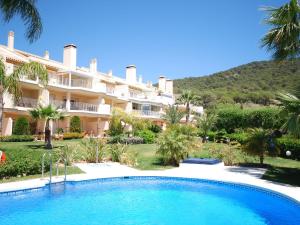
{"x": 59, "y": 104}
{"x": 58, "y": 80}
{"x": 105, "y": 109}
{"x": 27, "y": 102}
{"x": 136, "y": 95}
{"x": 81, "y": 83}
{"x": 147, "y": 113}
{"x": 82, "y": 106}
{"x": 29, "y": 79}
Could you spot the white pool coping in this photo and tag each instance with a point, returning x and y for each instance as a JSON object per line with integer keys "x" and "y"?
{"x": 219, "y": 172}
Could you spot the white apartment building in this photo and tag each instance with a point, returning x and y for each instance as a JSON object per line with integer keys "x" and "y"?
{"x": 85, "y": 92}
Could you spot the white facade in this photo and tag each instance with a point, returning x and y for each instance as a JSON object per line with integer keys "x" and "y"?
{"x": 81, "y": 91}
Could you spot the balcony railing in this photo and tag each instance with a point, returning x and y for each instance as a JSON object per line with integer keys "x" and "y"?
{"x": 59, "y": 104}
{"x": 147, "y": 113}
{"x": 81, "y": 83}
{"x": 27, "y": 102}
{"x": 110, "y": 90}
{"x": 58, "y": 80}
{"x": 28, "y": 78}
{"x": 82, "y": 106}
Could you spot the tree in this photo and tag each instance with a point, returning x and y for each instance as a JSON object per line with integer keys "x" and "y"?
{"x": 283, "y": 38}
{"x": 258, "y": 143}
{"x": 75, "y": 125}
{"x": 206, "y": 123}
{"x": 47, "y": 113}
{"x": 173, "y": 114}
{"x": 173, "y": 146}
{"x": 290, "y": 105}
{"x": 21, "y": 126}
{"x": 28, "y": 12}
{"x": 10, "y": 82}
{"x": 187, "y": 98}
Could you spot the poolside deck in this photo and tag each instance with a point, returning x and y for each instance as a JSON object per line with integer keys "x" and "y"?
{"x": 219, "y": 172}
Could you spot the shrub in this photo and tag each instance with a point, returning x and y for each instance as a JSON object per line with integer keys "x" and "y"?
{"x": 155, "y": 128}
{"x": 23, "y": 162}
{"x": 75, "y": 126}
{"x": 21, "y": 126}
{"x": 125, "y": 140}
{"x": 239, "y": 137}
{"x": 116, "y": 151}
{"x": 173, "y": 146}
{"x": 17, "y": 138}
{"x": 90, "y": 149}
{"x": 289, "y": 144}
{"x": 68, "y": 136}
{"x": 147, "y": 135}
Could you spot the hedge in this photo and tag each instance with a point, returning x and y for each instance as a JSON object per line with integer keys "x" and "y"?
{"x": 23, "y": 162}
{"x": 68, "y": 136}
{"x": 125, "y": 140}
{"x": 231, "y": 119}
{"x": 147, "y": 135}
{"x": 21, "y": 126}
{"x": 289, "y": 144}
{"x": 17, "y": 138}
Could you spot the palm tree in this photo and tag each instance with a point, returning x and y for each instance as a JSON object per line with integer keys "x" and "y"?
{"x": 10, "y": 82}
{"x": 173, "y": 114}
{"x": 187, "y": 98}
{"x": 27, "y": 10}
{"x": 291, "y": 110}
{"x": 257, "y": 143}
{"x": 206, "y": 123}
{"x": 283, "y": 38}
{"x": 47, "y": 113}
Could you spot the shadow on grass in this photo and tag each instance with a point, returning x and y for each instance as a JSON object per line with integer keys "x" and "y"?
{"x": 41, "y": 146}
{"x": 277, "y": 174}
{"x": 283, "y": 175}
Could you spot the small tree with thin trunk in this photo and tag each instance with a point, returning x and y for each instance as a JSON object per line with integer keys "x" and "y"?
{"x": 258, "y": 143}
{"x": 47, "y": 113}
{"x": 188, "y": 98}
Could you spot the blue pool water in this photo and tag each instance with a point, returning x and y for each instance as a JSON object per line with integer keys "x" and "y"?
{"x": 148, "y": 201}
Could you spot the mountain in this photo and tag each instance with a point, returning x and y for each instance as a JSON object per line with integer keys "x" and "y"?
{"x": 255, "y": 82}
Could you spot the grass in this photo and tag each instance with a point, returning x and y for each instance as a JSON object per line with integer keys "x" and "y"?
{"x": 278, "y": 169}
{"x": 70, "y": 170}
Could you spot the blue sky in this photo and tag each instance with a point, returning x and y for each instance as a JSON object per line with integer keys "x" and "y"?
{"x": 176, "y": 38}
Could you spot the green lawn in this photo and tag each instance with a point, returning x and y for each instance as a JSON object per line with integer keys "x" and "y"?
{"x": 278, "y": 169}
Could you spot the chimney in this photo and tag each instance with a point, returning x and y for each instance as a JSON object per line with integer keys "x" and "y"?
{"x": 46, "y": 55}
{"x": 93, "y": 66}
{"x": 140, "y": 79}
{"x": 70, "y": 55}
{"x": 131, "y": 74}
{"x": 110, "y": 73}
{"x": 162, "y": 83}
{"x": 169, "y": 86}
{"x": 11, "y": 40}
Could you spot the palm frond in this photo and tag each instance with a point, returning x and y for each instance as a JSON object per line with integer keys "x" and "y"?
{"x": 27, "y": 11}
{"x": 33, "y": 70}
{"x": 283, "y": 38}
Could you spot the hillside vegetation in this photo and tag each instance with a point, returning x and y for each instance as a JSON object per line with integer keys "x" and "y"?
{"x": 255, "y": 82}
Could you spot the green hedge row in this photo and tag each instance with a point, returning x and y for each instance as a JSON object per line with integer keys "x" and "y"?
{"x": 22, "y": 162}
{"x": 17, "y": 138}
{"x": 289, "y": 144}
{"x": 231, "y": 119}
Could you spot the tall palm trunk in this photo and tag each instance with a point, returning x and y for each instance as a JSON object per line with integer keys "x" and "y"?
{"x": 48, "y": 135}
{"x": 261, "y": 158}
{"x": 187, "y": 117}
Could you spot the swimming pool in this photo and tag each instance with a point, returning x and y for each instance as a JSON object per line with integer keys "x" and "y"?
{"x": 148, "y": 200}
